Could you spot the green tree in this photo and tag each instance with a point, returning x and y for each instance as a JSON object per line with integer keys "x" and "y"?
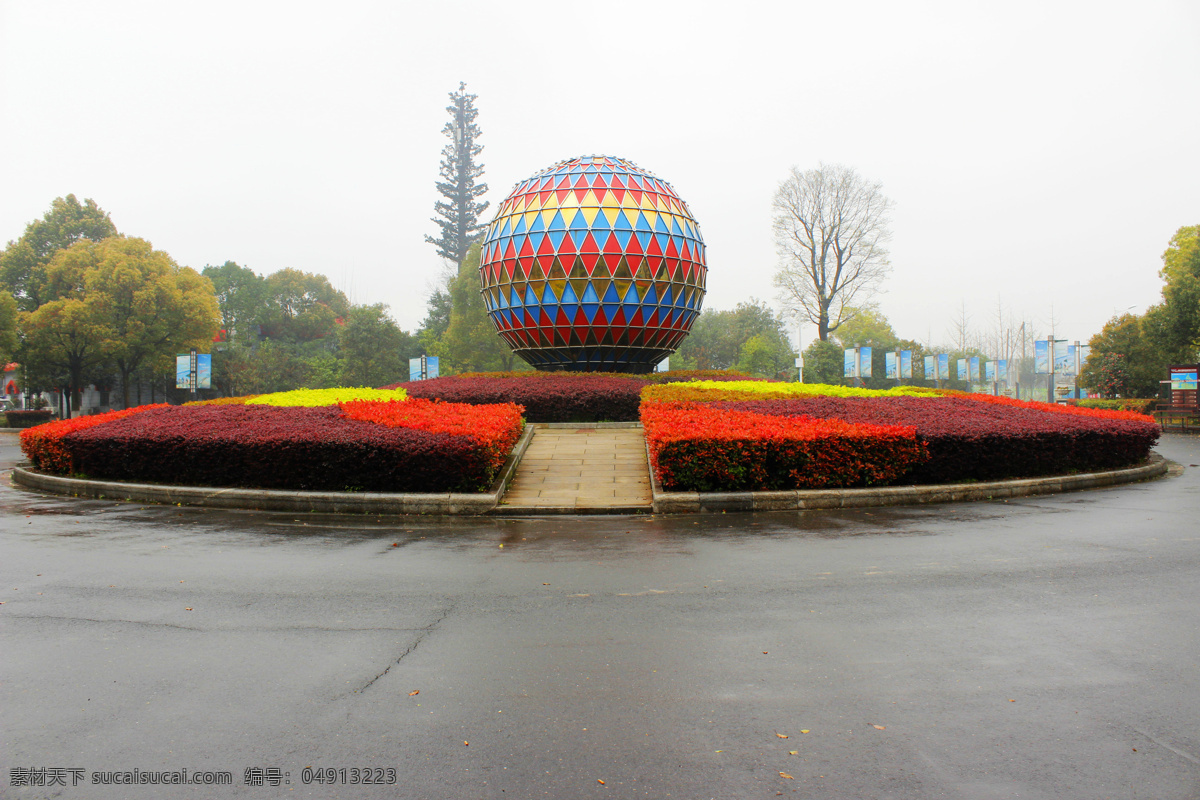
{"x": 823, "y": 363}
{"x": 301, "y": 306}
{"x": 242, "y": 296}
{"x": 437, "y": 320}
{"x": 374, "y": 350}
{"x": 1175, "y": 324}
{"x": 8, "y": 325}
{"x": 1108, "y": 376}
{"x": 1144, "y": 362}
{"x": 868, "y": 327}
{"x": 23, "y": 262}
{"x": 717, "y": 339}
{"x": 471, "y": 343}
{"x": 458, "y": 215}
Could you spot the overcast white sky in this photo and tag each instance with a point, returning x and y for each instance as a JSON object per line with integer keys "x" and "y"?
{"x": 1039, "y": 154}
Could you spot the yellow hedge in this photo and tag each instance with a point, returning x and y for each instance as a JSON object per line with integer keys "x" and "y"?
{"x": 326, "y": 397}
{"x": 702, "y": 391}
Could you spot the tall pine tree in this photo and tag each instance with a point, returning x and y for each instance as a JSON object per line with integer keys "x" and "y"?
{"x": 458, "y": 214}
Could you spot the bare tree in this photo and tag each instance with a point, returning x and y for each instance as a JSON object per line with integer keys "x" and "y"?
{"x": 830, "y": 227}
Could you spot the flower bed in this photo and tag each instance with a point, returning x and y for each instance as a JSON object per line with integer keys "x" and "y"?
{"x": 495, "y": 427}
{"x": 707, "y": 391}
{"x": 44, "y": 446}
{"x": 311, "y": 398}
{"x": 701, "y": 448}
{"x": 978, "y": 437}
{"x": 309, "y": 448}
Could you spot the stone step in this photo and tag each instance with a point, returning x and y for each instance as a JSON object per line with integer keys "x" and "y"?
{"x": 578, "y": 470}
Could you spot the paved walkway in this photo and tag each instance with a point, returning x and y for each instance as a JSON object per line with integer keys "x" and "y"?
{"x": 574, "y": 470}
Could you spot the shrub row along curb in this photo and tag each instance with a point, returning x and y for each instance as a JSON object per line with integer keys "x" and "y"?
{"x": 277, "y": 500}
{"x": 798, "y": 500}
{"x": 663, "y": 502}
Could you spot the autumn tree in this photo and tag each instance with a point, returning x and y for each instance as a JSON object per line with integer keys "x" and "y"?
{"x": 458, "y": 214}
{"x": 830, "y": 229}
{"x": 156, "y": 307}
{"x": 23, "y": 262}
{"x": 70, "y": 331}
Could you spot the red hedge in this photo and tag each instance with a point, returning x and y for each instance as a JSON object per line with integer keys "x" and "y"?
{"x": 701, "y": 448}
{"x": 43, "y": 445}
{"x": 557, "y": 396}
{"x": 495, "y": 427}
{"x": 982, "y": 437}
{"x": 278, "y": 448}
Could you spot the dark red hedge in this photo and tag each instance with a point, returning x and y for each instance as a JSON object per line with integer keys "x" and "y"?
{"x": 272, "y": 447}
{"x": 557, "y": 396}
{"x": 967, "y": 439}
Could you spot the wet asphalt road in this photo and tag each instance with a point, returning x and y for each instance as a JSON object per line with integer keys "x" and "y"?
{"x": 1039, "y": 648}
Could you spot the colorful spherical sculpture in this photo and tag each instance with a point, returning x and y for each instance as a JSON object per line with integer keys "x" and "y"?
{"x": 593, "y": 265}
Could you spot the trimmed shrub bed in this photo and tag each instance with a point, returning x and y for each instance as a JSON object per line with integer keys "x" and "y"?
{"x": 24, "y": 418}
{"x": 393, "y": 446}
{"x": 559, "y": 396}
{"x": 701, "y": 448}
{"x": 45, "y": 446}
{"x": 973, "y": 439}
{"x": 268, "y": 447}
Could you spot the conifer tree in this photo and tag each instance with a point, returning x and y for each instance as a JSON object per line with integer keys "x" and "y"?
{"x": 458, "y": 214}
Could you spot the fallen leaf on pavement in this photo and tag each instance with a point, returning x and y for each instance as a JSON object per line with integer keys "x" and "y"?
{"x": 414, "y": 693}
{"x": 785, "y": 775}
{"x": 793, "y": 752}
{"x": 599, "y": 781}
{"x": 781, "y": 736}
{"x": 879, "y": 727}
{"x": 805, "y": 730}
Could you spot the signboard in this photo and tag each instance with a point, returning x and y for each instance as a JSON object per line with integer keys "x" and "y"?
{"x": 973, "y": 369}
{"x": 930, "y": 369}
{"x": 193, "y": 364}
{"x": 1002, "y": 370}
{"x": 1041, "y": 357}
{"x": 890, "y": 365}
{"x": 423, "y": 368}
{"x": 1064, "y": 359}
{"x": 943, "y": 367}
{"x": 962, "y": 369}
{"x": 850, "y": 364}
{"x": 864, "y": 362}
{"x": 989, "y": 371}
{"x": 1184, "y": 378}
{"x": 906, "y": 364}
{"x": 204, "y": 371}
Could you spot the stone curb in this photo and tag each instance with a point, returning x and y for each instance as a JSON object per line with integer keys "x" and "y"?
{"x": 698, "y": 502}
{"x": 276, "y": 500}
